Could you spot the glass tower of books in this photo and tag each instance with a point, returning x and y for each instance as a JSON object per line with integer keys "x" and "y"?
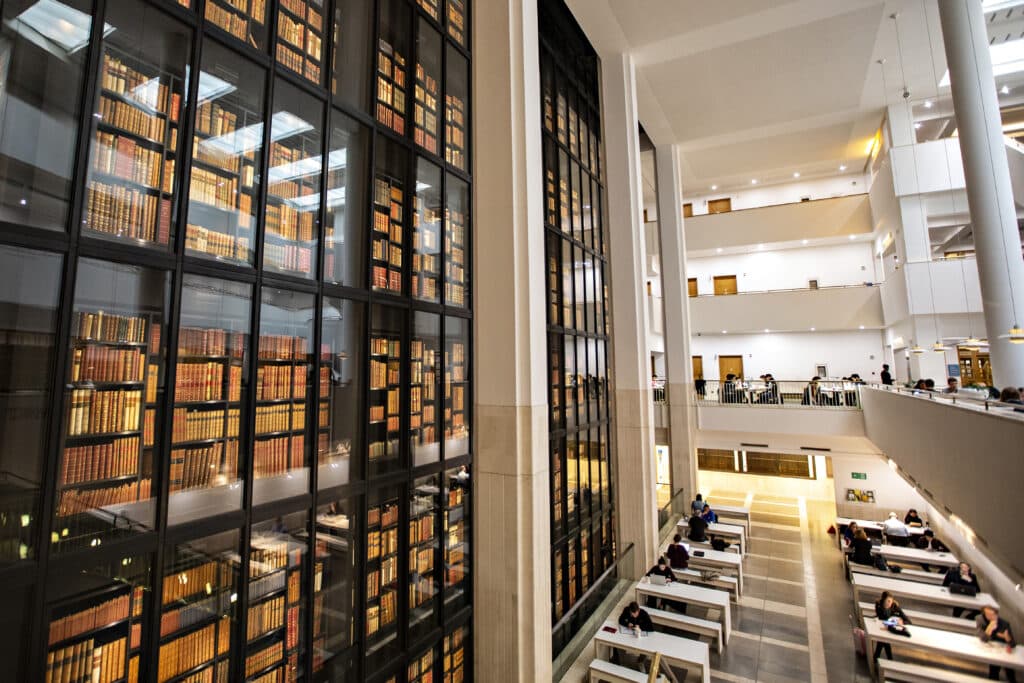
{"x": 235, "y": 436}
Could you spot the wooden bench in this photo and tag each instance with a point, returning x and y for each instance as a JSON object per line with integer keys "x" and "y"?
{"x": 688, "y": 624}
{"x": 733, "y": 547}
{"x": 929, "y": 619}
{"x": 889, "y": 670}
{"x": 728, "y": 583}
{"x": 601, "y": 670}
{"x": 905, "y": 574}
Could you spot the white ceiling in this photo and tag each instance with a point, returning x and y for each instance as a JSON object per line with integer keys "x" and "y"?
{"x": 765, "y": 88}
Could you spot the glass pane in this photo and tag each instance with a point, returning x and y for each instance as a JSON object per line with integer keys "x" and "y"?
{"x": 426, "y": 237}
{"x": 456, "y": 116}
{"x": 392, "y": 64}
{"x": 569, "y": 383}
{"x": 571, "y": 478}
{"x": 335, "y": 581}
{"x": 339, "y": 421}
{"x": 348, "y": 170}
{"x": 456, "y": 538}
{"x": 386, "y": 360}
{"x": 15, "y": 645}
{"x": 135, "y": 146}
{"x": 457, "y": 21}
{"x": 224, "y": 187}
{"x": 300, "y": 33}
{"x": 244, "y": 19}
{"x": 568, "y": 296}
{"x": 430, "y": 7}
{"x": 96, "y": 618}
{"x": 293, "y": 183}
{"x": 389, "y": 223}
{"x": 561, "y": 115}
{"x": 421, "y": 668}
{"x": 456, "y": 387}
{"x": 424, "y": 360}
{"x": 283, "y": 390}
{"x": 198, "y": 609}
{"x": 557, "y": 579}
{"x": 455, "y": 655}
{"x": 116, "y": 374}
{"x": 30, "y": 284}
{"x": 213, "y": 346}
{"x": 382, "y": 584}
{"x": 275, "y": 616}
{"x": 353, "y": 43}
{"x": 424, "y": 506}
{"x": 41, "y": 70}
{"x": 456, "y": 244}
{"x": 550, "y": 194}
{"x": 426, "y": 114}
{"x": 577, "y": 209}
{"x": 555, "y": 393}
{"x": 563, "y": 192}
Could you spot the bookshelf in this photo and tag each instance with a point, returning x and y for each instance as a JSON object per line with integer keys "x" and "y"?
{"x": 455, "y": 655}
{"x": 95, "y": 638}
{"x": 385, "y": 396}
{"x": 426, "y": 107}
{"x": 334, "y": 583}
{"x": 455, "y": 116}
{"x": 455, "y": 529}
{"x": 275, "y": 597}
{"x": 421, "y": 668}
{"x": 456, "y": 385}
{"x": 558, "y": 602}
{"x": 282, "y": 369}
{"x": 423, "y": 403}
{"x": 457, "y": 20}
{"x": 243, "y": 19}
{"x": 424, "y": 550}
{"x": 130, "y": 192}
{"x": 387, "y": 240}
{"x": 431, "y": 7}
{"x": 456, "y": 229}
{"x": 300, "y": 37}
{"x": 382, "y": 578}
{"x": 293, "y": 186}
{"x": 391, "y": 86}
{"x": 426, "y": 232}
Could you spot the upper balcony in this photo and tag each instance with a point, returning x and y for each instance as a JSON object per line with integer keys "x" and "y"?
{"x": 828, "y": 308}
{"x": 817, "y": 219}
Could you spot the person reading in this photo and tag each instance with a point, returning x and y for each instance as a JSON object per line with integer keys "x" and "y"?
{"x": 992, "y": 628}
{"x": 698, "y": 529}
{"x": 891, "y": 614}
{"x": 862, "y": 549}
{"x": 913, "y": 519}
{"x": 636, "y": 619}
{"x": 708, "y": 515}
{"x": 678, "y": 555}
{"x": 961, "y": 575}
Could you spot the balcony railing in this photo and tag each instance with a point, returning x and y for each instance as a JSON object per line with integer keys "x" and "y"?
{"x": 964, "y": 398}
{"x": 858, "y": 285}
{"x": 825, "y": 394}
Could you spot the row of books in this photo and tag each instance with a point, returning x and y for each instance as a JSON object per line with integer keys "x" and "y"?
{"x": 76, "y": 501}
{"x": 298, "y": 62}
{"x": 185, "y": 583}
{"x": 265, "y": 617}
{"x": 324, "y": 416}
{"x": 183, "y": 617}
{"x": 261, "y": 659}
{"x": 455, "y": 132}
{"x": 380, "y": 543}
{"x": 86, "y": 662}
{"x": 385, "y": 346}
{"x": 289, "y": 257}
{"x": 118, "y": 458}
{"x": 457, "y": 20}
{"x": 213, "y": 243}
{"x": 89, "y": 619}
{"x": 421, "y": 669}
{"x": 265, "y": 585}
{"x": 280, "y": 418}
{"x": 384, "y": 515}
{"x": 198, "y": 341}
{"x": 384, "y": 449}
{"x": 200, "y": 468}
{"x": 300, "y": 36}
{"x": 121, "y": 79}
{"x": 384, "y": 374}
{"x": 132, "y": 119}
{"x": 454, "y": 292}
{"x": 288, "y": 222}
{"x": 430, "y": 7}
{"x": 271, "y": 552}
{"x": 95, "y": 412}
{"x": 127, "y": 212}
{"x": 283, "y": 347}
{"x": 107, "y": 364}
{"x": 215, "y": 189}
{"x": 200, "y": 425}
{"x": 277, "y": 456}
{"x": 238, "y": 26}
{"x": 275, "y": 382}
{"x": 199, "y": 382}
{"x": 421, "y": 530}
{"x": 120, "y": 156}
{"x": 382, "y": 615}
{"x": 185, "y": 653}
{"x": 422, "y": 588}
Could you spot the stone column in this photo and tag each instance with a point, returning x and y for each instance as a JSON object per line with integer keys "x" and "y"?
{"x": 989, "y": 192}
{"x": 511, "y": 530}
{"x": 634, "y": 467}
{"x": 678, "y": 363}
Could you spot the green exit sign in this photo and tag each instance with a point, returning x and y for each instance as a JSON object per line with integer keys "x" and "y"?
{"x": 859, "y": 475}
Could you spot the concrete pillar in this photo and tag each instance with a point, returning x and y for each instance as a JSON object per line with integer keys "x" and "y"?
{"x": 635, "y": 472}
{"x": 989, "y": 192}
{"x": 679, "y": 366}
{"x": 511, "y": 529}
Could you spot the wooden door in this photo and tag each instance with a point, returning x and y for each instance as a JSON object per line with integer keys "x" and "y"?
{"x": 691, "y": 286}
{"x": 698, "y": 367}
{"x": 719, "y": 205}
{"x": 725, "y": 284}
{"x": 975, "y": 367}
{"x": 687, "y": 210}
{"x": 730, "y": 364}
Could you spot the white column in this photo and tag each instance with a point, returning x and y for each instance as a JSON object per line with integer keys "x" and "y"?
{"x": 678, "y": 363}
{"x": 989, "y": 192}
{"x": 635, "y": 472}
{"x": 511, "y": 530}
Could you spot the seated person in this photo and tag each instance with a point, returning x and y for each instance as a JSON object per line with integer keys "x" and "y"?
{"x": 708, "y": 515}
{"x": 962, "y": 574}
{"x": 992, "y": 628}
{"x": 731, "y": 392}
{"x": 662, "y": 569}
{"x": 862, "y": 549}
{"x": 896, "y": 532}
{"x": 678, "y": 555}
{"x": 887, "y": 608}
{"x": 849, "y": 533}
{"x": 697, "y": 506}
{"x": 1010, "y": 395}
{"x": 913, "y": 519}
{"x": 634, "y": 618}
{"x": 698, "y": 529}
{"x": 927, "y": 541}
{"x": 812, "y": 394}
{"x": 719, "y": 544}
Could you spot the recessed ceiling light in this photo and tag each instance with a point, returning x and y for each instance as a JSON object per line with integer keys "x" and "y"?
{"x": 862, "y": 327}
{"x": 842, "y": 167}
{"x": 1005, "y": 90}
{"x": 760, "y": 246}
{"x": 917, "y": 125}
{"x": 796, "y": 175}
{"x": 754, "y": 181}
{"x": 724, "y": 332}
{"x": 719, "y": 250}
{"x": 803, "y": 241}
{"x": 853, "y": 237}
{"x": 812, "y": 329}
{"x": 767, "y": 330}
{"x": 927, "y": 104}
{"x": 714, "y": 187}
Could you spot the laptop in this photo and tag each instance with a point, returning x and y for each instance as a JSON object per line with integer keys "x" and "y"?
{"x": 963, "y": 589}
{"x": 658, "y": 580}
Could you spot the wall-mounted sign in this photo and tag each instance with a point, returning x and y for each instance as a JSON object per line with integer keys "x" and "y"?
{"x": 859, "y": 475}
{"x": 859, "y": 496}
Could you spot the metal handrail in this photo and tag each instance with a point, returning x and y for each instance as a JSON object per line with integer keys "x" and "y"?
{"x": 960, "y": 399}
{"x": 829, "y": 394}
{"x": 864, "y": 284}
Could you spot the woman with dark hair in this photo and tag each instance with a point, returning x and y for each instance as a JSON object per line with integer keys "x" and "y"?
{"x": 887, "y": 609}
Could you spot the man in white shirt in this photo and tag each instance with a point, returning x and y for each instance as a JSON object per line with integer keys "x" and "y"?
{"x": 896, "y": 532}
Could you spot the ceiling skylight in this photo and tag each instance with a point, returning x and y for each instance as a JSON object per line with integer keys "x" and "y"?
{"x": 1007, "y": 58}
{"x": 55, "y": 27}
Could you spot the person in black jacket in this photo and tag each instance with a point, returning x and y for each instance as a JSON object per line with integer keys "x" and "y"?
{"x": 678, "y": 557}
{"x": 862, "y": 549}
{"x": 662, "y": 569}
{"x": 887, "y": 608}
{"x": 993, "y": 628}
{"x": 927, "y": 541}
{"x": 962, "y": 575}
{"x": 913, "y": 519}
{"x": 698, "y": 529}
{"x": 886, "y": 376}
{"x": 636, "y": 619}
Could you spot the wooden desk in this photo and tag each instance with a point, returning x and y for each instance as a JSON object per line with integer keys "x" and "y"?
{"x": 692, "y": 595}
{"x": 732, "y": 533}
{"x": 683, "y": 652}
{"x": 734, "y": 512}
{"x": 869, "y": 528}
{"x": 955, "y": 645}
{"x": 895, "y": 553}
{"x": 866, "y": 584}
